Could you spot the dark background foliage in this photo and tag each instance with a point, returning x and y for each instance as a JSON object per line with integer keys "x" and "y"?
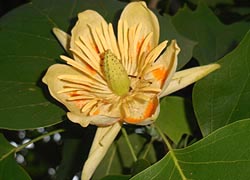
{"x": 42, "y": 161}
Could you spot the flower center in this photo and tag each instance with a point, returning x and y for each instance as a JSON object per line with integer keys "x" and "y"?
{"x": 115, "y": 74}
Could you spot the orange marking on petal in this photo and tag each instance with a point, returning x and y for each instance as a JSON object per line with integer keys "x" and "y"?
{"x": 149, "y": 110}
{"x": 91, "y": 70}
{"x": 78, "y": 103}
{"x": 139, "y": 44}
{"x": 147, "y": 113}
{"x": 148, "y": 47}
{"x": 96, "y": 112}
{"x": 72, "y": 94}
{"x": 95, "y": 48}
{"x": 132, "y": 120}
{"x": 160, "y": 74}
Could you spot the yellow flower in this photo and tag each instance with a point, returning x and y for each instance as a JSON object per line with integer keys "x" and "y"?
{"x": 112, "y": 79}
{"x": 84, "y": 85}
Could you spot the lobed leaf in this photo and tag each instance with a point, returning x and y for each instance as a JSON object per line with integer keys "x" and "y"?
{"x": 223, "y": 97}
{"x": 176, "y": 118}
{"x": 224, "y": 155}
{"x": 214, "y": 38}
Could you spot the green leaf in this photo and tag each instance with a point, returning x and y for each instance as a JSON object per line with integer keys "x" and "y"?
{"x": 243, "y": 11}
{"x": 5, "y": 147}
{"x": 28, "y": 49}
{"x": 169, "y": 32}
{"x": 224, "y": 155}
{"x": 213, "y": 2}
{"x": 223, "y": 97}
{"x": 139, "y": 166}
{"x": 111, "y": 164}
{"x": 116, "y": 177}
{"x": 76, "y": 144}
{"x": 119, "y": 160}
{"x": 70, "y": 158}
{"x": 214, "y": 38}
{"x": 9, "y": 169}
{"x": 176, "y": 117}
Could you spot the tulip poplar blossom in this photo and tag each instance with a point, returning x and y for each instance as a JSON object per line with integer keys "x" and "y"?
{"x": 113, "y": 79}
{"x": 116, "y": 78}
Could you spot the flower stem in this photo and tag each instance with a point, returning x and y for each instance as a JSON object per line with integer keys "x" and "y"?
{"x": 171, "y": 152}
{"x": 124, "y": 133}
{"x": 148, "y": 148}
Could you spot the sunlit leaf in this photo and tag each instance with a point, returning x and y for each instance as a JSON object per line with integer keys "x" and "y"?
{"x": 224, "y": 155}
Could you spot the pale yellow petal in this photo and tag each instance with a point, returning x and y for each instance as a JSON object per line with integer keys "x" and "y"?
{"x": 140, "y": 112}
{"x": 160, "y": 72}
{"x": 150, "y": 119}
{"x": 91, "y": 36}
{"x": 78, "y": 118}
{"x": 186, "y": 77}
{"x": 138, "y": 33}
{"x": 169, "y": 61}
{"x": 86, "y": 19}
{"x": 82, "y": 102}
{"x": 97, "y": 120}
{"x": 136, "y": 13}
{"x": 63, "y": 38}
{"x": 102, "y": 141}
{"x": 55, "y": 84}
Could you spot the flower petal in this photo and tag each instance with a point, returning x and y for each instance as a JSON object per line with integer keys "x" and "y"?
{"x": 103, "y": 139}
{"x": 184, "y": 78}
{"x": 63, "y": 38}
{"x": 138, "y": 33}
{"x": 160, "y": 72}
{"x": 168, "y": 60}
{"x": 55, "y": 84}
{"x": 136, "y": 13}
{"x": 77, "y": 107}
{"x": 97, "y": 120}
{"x": 91, "y": 36}
{"x": 141, "y": 113}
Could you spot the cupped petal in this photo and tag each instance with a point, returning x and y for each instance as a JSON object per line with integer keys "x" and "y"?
{"x": 186, "y": 77}
{"x": 138, "y": 33}
{"x": 67, "y": 94}
{"x": 136, "y": 13}
{"x": 141, "y": 112}
{"x": 167, "y": 64}
{"x": 91, "y": 36}
{"x": 161, "y": 71}
{"x": 55, "y": 85}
